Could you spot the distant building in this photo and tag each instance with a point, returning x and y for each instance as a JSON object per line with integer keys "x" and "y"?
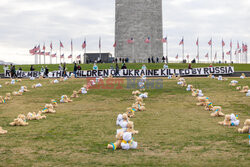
{"x": 99, "y": 58}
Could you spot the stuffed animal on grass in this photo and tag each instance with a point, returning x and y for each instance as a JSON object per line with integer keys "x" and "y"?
{"x": 233, "y": 83}
{"x": 24, "y": 89}
{"x": 195, "y": 92}
{"x": 7, "y": 97}
{"x": 138, "y": 99}
{"x": 20, "y": 121}
{"x": 189, "y": 88}
{"x": 65, "y": 99}
{"x": 211, "y": 76}
{"x": 0, "y": 86}
{"x": 72, "y": 76}
{"x": 117, "y": 144}
{"x": 32, "y": 78}
{"x": 2, "y": 131}
{"x": 137, "y": 92}
{"x": 7, "y": 83}
{"x": 12, "y": 82}
{"x": 217, "y": 112}
{"x": 238, "y": 88}
{"x": 202, "y": 101}
{"x": 74, "y": 95}
{"x": 243, "y": 76}
{"x": 2, "y": 101}
{"x": 129, "y": 128}
{"x": 83, "y": 90}
{"x": 19, "y": 93}
{"x": 248, "y": 93}
{"x": 246, "y": 127}
{"x": 144, "y": 95}
{"x": 34, "y": 116}
{"x": 230, "y": 120}
{"x": 169, "y": 77}
{"x": 184, "y": 84}
{"x": 118, "y": 119}
{"x": 200, "y": 94}
{"x": 139, "y": 106}
{"x": 123, "y": 123}
{"x": 128, "y": 141}
{"x": 54, "y": 103}
{"x": 40, "y": 77}
{"x": 141, "y": 85}
{"x": 244, "y": 89}
{"x": 208, "y": 106}
{"x": 37, "y": 85}
{"x": 48, "y": 109}
{"x": 54, "y": 81}
{"x": 131, "y": 112}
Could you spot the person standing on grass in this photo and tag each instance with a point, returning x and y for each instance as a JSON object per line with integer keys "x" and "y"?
{"x": 75, "y": 69}
{"x": 32, "y": 68}
{"x": 5, "y": 68}
{"x": 64, "y": 70}
{"x": 13, "y": 71}
{"x": 117, "y": 69}
{"x": 144, "y": 67}
{"x": 46, "y": 71}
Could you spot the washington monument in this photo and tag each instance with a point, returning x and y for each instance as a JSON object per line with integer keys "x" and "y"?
{"x": 138, "y": 30}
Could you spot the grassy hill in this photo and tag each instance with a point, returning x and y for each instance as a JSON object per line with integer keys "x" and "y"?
{"x": 53, "y": 67}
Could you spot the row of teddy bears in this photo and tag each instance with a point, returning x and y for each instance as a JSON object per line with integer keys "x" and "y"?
{"x": 21, "y": 120}
{"x": 230, "y": 120}
{"x": 124, "y": 135}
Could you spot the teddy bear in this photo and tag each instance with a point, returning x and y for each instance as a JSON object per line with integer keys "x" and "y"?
{"x": 72, "y": 76}
{"x": 248, "y": 93}
{"x": 54, "y": 103}
{"x": 54, "y": 81}
{"x": 238, "y": 88}
{"x": 83, "y": 90}
{"x": 129, "y": 128}
{"x": 137, "y": 92}
{"x": 74, "y": 95}
{"x": 48, "y": 109}
{"x": 39, "y": 116}
{"x": 117, "y": 144}
{"x": 34, "y": 116}
{"x": 139, "y": 106}
{"x": 18, "y": 80}
{"x": 200, "y": 94}
{"x": 12, "y": 82}
{"x": 242, "y": 76}
{"x": 141, "y": 86}
{"x": 19, "y": 93}
{"x": 118, "y": 119}
{"x": 244, "y": 89}
{"x": 65, "y": 99}
{"x": 131, "y": 112}
{"x": 169, "y": 77}
{"x": 7, "y": 97}
{"x": 138, "y": 99}
{"x": 246, "y": 127}
{"x": 7, "y": 83}
{"x": 189, "y": 88}
{"x": 110, "y": 76}
{"x": 202, "y": 101}
{"x": 20, "y": 121}
{"x": 2, "y": 101}
{"x": 36, "y": 85}
{"x": 128, "y": 141}
{"x": 40, "y": 77}
{"x": 217, "y": 112}
{"x": 32, "y": 78}
{"x": 184, "y": 84}
{"x": 144, "y": 95}
{"x": 195, "y": 92}
{"x": 24, "y": 89}
{"x": 230, "y": 120}
{"x": 92, "y": 82}
{"x": 123, "y": 123}
{"x": 2, "y": 131}
{"x": 208, "y": 106}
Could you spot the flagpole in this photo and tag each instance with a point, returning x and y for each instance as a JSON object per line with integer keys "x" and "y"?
{"x": 71, "y": 51}
{"x": 222, "y": 52}
{"x": 50, "y": 56}
{"x": 198, "y": 50}
{"x": 231, "y": 56}
{"x": 183, "y": 54}
{"x": 211, "y": 50}
{"x": 167, "y": 51}
{"x": 246, "y": 54}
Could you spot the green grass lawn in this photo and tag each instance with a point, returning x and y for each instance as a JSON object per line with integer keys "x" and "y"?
{"x": 172, "y": 132}
{"x": 54, "y": 67}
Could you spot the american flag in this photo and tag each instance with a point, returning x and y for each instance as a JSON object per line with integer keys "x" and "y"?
{"x": 197, "y": 42}
{"x": 187, "y": 56}
{"x": 32, "y": 51}
{"x": 62, "y": 56}
{"x": 238, "y": 45}
{"x": 70, "y": 56}
{"x": 84, "y": 45}
{"x": 239, "y": 51}
{"x": 51, "y": 46}
{"x": 147, "y": 40}
{"x": 41, "y": 53}
{"x": 244, "y": 48}
{"x": 210, "y": 42}
{"x": 61, "y": 45}
{"x": 44, "y": 47}
{"x": 53, "y": 55}
{"x": 223, "y": 43}
{"x": 78, "y": 57}
{"x": 177, "y": 56}
{"x": 231, "y": 44}
{"x": 47, "y": 53}
{"x": 164, "y": 40}
{"x": 38, "y": 48}
{"x": 114, "y": 45}
{"x": 182, "y": 42}
{"x": 131, "y": 40}
{"x": 229, "y": 52}
{"x": 100, "y": 43}
{"x": 71, "y": 45}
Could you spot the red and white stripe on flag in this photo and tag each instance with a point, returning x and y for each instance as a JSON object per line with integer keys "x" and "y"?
{"x": 147, "y": 40}
{"x": 164, "y": 40}
{"x": 84, "y": 45}
{"x": 181, "y": 42}
{"x": 210, "y": 42}
{"x": 61, "y": 45}
{"x": 229, "y": 52}
{"x": 177, "y": 56}
{"x": 70, "y": 56}
{"x": 130, "y": 41}
{"x": 78, "y": 57}
{"x": 62, "y": 56}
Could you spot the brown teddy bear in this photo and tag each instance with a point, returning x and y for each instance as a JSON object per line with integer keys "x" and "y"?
{"x": 117, "y": 144}
{"x": 7, "y": 97}
{"x": 242, "y": 76}
{"x": 139, "y": 106}
{"x": 2, "y": 101}
{"x": 232, "y": 84}
{"x": 48, "y": 109}
{"x": 217, "y": 112}
{"x": 131, "y": 112}
{"x": 138, "y": 99}
{"x": 54, "y": 103}
{"x": 230, "y": 120}
{"x": 74, "y": 95}
{"x": 2, "y": 131}
{"x": 208, "y": 106}
{"x": 130, "y": 128}
{"x": 202, "y": 101}
{"x": 246, "y": 127}
{"x": 40, "y": 77}
{"x": 7, "y": 83}
{"x": 19, "y": 93}
{"x": 19, "y": 121}
{"x": 137, "y": 92}
{"x": 244, "y": 89}
{"x": 34, "y": 116}
{"x": 65, "y": 99}
{"x": 195, "y": 92}
{"x": 24, "y": 88}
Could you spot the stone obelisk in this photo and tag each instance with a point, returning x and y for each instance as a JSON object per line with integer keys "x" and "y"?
{"x": 141, "y": 22}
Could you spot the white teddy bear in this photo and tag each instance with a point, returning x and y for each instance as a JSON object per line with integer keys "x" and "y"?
{"x": 128, "y": 142}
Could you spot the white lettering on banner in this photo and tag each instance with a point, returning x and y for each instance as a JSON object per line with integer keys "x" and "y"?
{"x": 131, "y": 73}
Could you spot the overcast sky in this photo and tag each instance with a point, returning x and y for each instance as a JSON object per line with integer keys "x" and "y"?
{"x": 25, "y": 23}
